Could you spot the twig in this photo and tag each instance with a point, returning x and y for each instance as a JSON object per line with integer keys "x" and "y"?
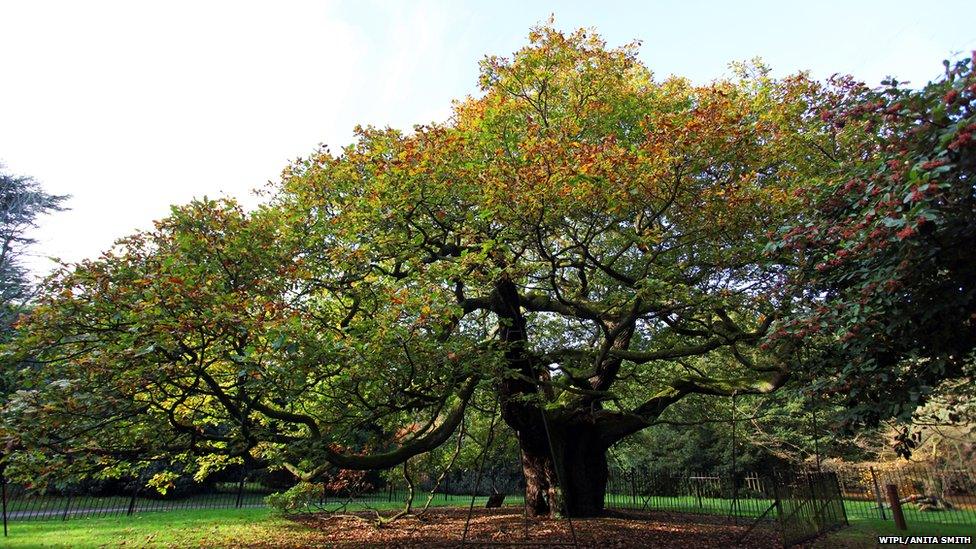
{"x": 450, "y": 464}
{"x": 382, "y": 521}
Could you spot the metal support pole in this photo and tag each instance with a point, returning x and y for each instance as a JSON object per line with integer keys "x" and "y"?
{"x": 818, "y": 521}
{"x": 840, "y": 497}
{"x": 633, "y": 488}
{"x": 558, "y": 467}
{"x": 481, "y": 470}
{"x": 67, "y": 506}
{"x": 240, "y": 490}
{"x": 816, "y": 436}
{"x": 735, "y": 486}
{"x": 525, "y": 481}
{"x": 698, "y": 490}
{"x": 877, "y": 494}
{"x": 776, "y": 498}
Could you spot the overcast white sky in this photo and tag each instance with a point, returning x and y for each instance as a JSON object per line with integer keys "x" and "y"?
{"x": 131, "y": 106}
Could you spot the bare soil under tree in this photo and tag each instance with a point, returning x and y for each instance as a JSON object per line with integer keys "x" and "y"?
{"x": 505, "y": 526}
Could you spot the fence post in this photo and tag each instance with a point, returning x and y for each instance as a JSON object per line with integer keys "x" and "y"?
{"x": 240, "y": 489}
{"x": 896, "y": 511}
{"x": 135, "y": 492}
{"x": 877, "y": 494}
{"x": 67, "y": 505}
{"x": 633, "y": 487}
{"x": 3, "y": 487}
{"x": 777, "y": 500}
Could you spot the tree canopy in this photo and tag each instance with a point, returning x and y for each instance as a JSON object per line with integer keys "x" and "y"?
{"x": 582, "y": 244}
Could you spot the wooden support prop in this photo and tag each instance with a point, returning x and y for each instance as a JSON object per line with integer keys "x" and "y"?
{"x": 896, "y": 511}
{"x": 494, "y": 500}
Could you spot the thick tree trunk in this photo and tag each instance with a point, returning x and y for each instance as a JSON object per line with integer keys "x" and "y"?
{"x": 581, "y": 479}
{"x": 540, "y": 483}
{"x": 576, "y": 446}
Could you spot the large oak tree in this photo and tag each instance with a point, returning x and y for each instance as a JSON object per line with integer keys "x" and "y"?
{"x": 582, "y": 243}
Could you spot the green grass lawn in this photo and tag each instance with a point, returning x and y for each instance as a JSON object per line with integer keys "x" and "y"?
{"x": 439, "y": 500}
{"x": 199, "y": 528}
{"x": 47, "y": 507}
{"x": 194, "y": 527}
{"x": 690, "y": 504}
{"x": 863, "y": 532}
{"x": 869, "y": 510}
{"x": 231, "y": 527}
{"x": 856, "y": 510}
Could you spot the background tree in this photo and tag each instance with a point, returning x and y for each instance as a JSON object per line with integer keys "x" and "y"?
{"x": 886, "y": 246}
{"x": 580, "y": 247}
{"x": 21, "y": 202}
{"x": 783, "y": 429}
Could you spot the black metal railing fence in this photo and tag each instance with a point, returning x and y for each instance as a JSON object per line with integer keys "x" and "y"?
{"x": 926, "y": 494}
{"x": 699, "y": 492}
{"x": 808, "y": 505}
{"x": 809, "y": 502}
{"x": 21, "y": 503}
